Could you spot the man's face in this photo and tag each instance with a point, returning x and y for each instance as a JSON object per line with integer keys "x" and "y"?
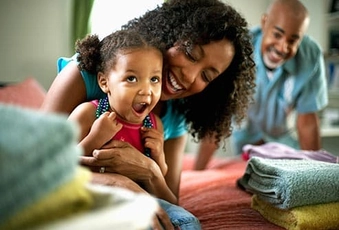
{"x": 282, "y": 34}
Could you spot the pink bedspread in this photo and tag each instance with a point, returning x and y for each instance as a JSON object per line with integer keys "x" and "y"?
{"x": 213, "y": 197}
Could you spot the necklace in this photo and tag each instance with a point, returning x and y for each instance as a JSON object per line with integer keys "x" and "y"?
{"x": 103, "y": 106}
{"x": 148, "y": 124}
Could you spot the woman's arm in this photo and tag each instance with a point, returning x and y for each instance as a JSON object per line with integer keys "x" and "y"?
{"x": 66, "y": 92}
{"x": 116, "y": 180}
{"x": 122, "y": 158}
{"x": 174, "y": 153}
{"x": 207, "y": 148}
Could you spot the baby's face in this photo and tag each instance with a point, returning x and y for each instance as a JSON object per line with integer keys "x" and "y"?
{"x": 134, "y": 84}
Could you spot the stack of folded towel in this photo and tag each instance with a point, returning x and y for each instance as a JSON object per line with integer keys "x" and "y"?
{"x": 38, "y": 158}
{"x": 310, "y": 217}
{"x": 68, "y": 199}
{"x": 43, "y": 187}
{"x": 295, "y": 194}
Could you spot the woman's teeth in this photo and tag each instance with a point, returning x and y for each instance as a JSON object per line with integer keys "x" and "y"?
{"x": 174, "y": 83}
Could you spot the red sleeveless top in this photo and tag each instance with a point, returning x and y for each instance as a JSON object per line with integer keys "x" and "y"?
{"x": 131, "y": 132}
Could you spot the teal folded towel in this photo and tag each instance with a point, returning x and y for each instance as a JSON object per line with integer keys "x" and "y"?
{"x": 288, "y": 183}
{"x": 38, "y": 153}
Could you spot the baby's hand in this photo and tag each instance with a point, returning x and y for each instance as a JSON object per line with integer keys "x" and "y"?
{"x": 105, "y": 127}
{"x": 154, "y": 140}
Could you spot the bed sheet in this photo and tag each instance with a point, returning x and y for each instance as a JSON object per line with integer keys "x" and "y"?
{"x": 213, "y": 197}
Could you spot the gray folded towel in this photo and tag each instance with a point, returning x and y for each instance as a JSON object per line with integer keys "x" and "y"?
{"x": 288, "y": 183}
{"x": 38, "y": 153}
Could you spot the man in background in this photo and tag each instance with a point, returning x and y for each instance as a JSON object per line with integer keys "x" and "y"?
{"x": 290, "y": 80}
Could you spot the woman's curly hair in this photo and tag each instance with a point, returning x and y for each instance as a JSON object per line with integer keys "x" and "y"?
{"x": 199, "y": 22}
{"x": 99, "y": 56}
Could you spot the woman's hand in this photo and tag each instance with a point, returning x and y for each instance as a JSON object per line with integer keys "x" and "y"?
{"x": 122, "y": 158}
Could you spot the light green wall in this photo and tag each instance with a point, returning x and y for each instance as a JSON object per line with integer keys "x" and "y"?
{"x": 34, "y": 34}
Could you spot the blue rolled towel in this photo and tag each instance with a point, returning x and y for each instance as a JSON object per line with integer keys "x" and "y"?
{"x": 288, "y": 183}
{"x": 38, "y": 153}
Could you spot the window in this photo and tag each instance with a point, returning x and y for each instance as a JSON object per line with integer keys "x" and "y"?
{"x": 108, "y": 16}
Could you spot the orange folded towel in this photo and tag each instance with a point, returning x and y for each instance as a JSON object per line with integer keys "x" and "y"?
{"x": 311, "y": 217}
{"x": 70, "y": 198}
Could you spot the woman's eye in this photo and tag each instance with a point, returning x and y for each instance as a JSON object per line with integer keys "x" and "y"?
{"x": 190, "y": 56}
{"x": 205, "y": 77}
{"x": 131, "y": 79}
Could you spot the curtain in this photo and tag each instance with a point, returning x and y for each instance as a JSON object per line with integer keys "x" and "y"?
{"x": 81, "y": 12}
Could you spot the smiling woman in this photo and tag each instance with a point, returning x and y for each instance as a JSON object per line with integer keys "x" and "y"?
{"x": 202, "y": 39}
{"x": 108, "y": 16}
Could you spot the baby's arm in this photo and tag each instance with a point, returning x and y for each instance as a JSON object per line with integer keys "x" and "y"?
{"x": 154, "y": 140}
{"x": 94, "y": 133}
{"x": 102, "y": 131}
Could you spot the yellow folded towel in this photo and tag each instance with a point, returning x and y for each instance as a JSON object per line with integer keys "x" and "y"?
{"x": 71, "y": 198}
{"x": 311, "y": 217}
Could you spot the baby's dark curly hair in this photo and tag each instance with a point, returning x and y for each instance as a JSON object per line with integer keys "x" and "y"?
{"x": 99, "y": 56}
{"x": 199, "y": 22}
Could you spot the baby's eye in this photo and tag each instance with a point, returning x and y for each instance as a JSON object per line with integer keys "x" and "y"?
{"x": 155, "y": 79}
{"x": 131, "y": 79}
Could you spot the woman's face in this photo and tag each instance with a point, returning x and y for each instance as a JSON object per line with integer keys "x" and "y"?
{"x": 187, "y": 72}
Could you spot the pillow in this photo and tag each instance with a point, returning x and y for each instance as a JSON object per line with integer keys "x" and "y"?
{"x": 28, "y": 93}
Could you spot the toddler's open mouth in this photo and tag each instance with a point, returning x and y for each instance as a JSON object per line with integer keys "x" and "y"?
{"x": 139, "y": 107}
